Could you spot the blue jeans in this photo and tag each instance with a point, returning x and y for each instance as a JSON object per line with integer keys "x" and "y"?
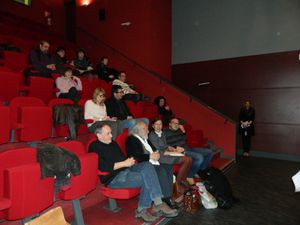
{"x": 197, "y": 161}
{"x": 207, "y": 155}
{"x": 131, "y": 122}
{"x": 141, "y": 175}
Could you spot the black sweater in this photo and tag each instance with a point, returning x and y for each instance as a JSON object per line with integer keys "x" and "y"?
{"x": 109, "y": 154}
{"x": 175, "y": 138}
{"x": 117, "y": 108}
{"x": 135, "y": 149}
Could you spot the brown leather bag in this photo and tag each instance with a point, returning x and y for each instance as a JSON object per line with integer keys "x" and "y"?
{"x": 191, "y": 201}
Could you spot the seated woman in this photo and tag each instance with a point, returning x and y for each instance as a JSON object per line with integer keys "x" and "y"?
{"x": 60, "y": 59}
{"x": 82, "y": 63}
{"x": 158, "y": 139}
{"x": 68, "y": 86}
{"x": 164, "y": 110}
{"x": 95, "y": 109}
{"x": 138, "y": 147}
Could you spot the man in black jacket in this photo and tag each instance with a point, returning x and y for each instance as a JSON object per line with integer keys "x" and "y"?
{"x": 138, "y": 147}
{"x": 124, "y": 173}
{"x": 116, "y": 107}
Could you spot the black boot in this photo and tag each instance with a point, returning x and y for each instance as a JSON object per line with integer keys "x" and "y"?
{"x": 171, "y": 203}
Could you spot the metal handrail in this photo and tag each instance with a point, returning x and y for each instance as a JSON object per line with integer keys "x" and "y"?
{"x": 157, "y": 75}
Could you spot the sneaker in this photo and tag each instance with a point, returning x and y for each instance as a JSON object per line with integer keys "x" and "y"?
{"x": 145, "y": 216}
{"x": 165, "y": 210}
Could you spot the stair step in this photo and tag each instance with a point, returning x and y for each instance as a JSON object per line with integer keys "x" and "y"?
{"x": 221, "y": 163}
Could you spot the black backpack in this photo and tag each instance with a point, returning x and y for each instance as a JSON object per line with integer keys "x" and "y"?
{"x": 218, "y": 185}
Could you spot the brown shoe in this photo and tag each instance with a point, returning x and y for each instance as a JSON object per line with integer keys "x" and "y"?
{"x": 165, "y": 210}
{"x": 145, "y": 216}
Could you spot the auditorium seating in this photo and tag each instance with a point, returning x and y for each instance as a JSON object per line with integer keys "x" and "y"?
{"x": 36, "y": 123}
{"x": 121, "y": 139}
{"x": 5, "y": 124}
{"x": 73, "y": 146}
{"x": 82, "y": 184}
{"x": 16, "y": 116}
{"x": 10, "y": 85}
{"x": 12, "y": 158}
{"x": 41, "y": 87}
{"x": 10, "y": 58}
{"x": 27, "y": 193}
{"x": 195, "y": 138}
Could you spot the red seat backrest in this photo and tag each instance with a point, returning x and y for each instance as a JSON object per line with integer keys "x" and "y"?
{"x": 86, "y": 181}
{"x": 18, "y": 102}
{"x": 5, "y": 124}
{"x": 15, "y": 157}
{"x": 28, "y": 193}
{"x": 41, "y": 87}
{"x": 10, "y": 59}
{"x": 31, "y": 119}
{"x": 10, "y": 85}
{"x": 73, "y": 146}
{"x": 60, "y": 101}
{"x": 121, "y": 139}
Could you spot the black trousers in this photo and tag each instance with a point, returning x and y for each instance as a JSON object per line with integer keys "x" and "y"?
{"x": 165, "y": 177}
{"x": 246, "y": 139}
{"x": 72, "y": 94}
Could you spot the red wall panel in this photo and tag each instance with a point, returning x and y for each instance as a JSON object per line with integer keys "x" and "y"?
{"x": 147, "y": 40}
{"x": 35, "y": 12}
{"x": 270, "y": 81}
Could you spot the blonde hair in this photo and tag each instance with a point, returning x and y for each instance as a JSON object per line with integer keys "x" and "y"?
{"x": 97, "y": 92}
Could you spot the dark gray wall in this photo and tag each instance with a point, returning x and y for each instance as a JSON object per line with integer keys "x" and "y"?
{"x": 217, "y": 29}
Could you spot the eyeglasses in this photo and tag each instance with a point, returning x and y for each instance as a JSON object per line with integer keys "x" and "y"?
{"x": 101, "y": 96}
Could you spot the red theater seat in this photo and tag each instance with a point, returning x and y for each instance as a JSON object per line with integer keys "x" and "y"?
{"x": 12, "y": 158}
{"x": 27, "y": 192}
{"x": 115, "y": 193}
{"x": 137, "y": 110}
{"x": 41, "y": 87}
{"x": 5, "y": 124}
{"x": 195, "y": 138}
{"x": 121, "y": 139}
{"x": 15, "y": 60}
{"x": 82, "y": 184}
{"x": 36, "y": 123}
{"x": 73, "y": 146}
{"x": 15, "y": 106}
{"x": 10, "y": 85}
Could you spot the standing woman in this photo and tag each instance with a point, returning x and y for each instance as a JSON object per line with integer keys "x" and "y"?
{"x": 246, "y": 128}
{"x": 95, "y": 109}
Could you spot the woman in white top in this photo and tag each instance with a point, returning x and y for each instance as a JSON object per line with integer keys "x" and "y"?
{"x": 95, "y": 110}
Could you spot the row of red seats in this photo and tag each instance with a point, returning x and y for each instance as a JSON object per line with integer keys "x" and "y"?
{"x": 30, "y": 119}
{"x": 12, "y": 85}
{"x": 21, "y": 197}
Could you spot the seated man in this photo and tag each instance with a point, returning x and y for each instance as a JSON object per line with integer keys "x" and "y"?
{"x": 42, "y": 61}
{"x": 129, "y": 93}
{"x": 104, "y": 72}
{"x": 176, "y": 136}
{"x": 116, "y": 107}
{"x": 124, "y": 173}
{"x": 138, "y": 147}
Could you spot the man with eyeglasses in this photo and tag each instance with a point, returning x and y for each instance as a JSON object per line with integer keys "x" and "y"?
{"x": 116, "y": 107}
{"x": 176, "y": 137}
